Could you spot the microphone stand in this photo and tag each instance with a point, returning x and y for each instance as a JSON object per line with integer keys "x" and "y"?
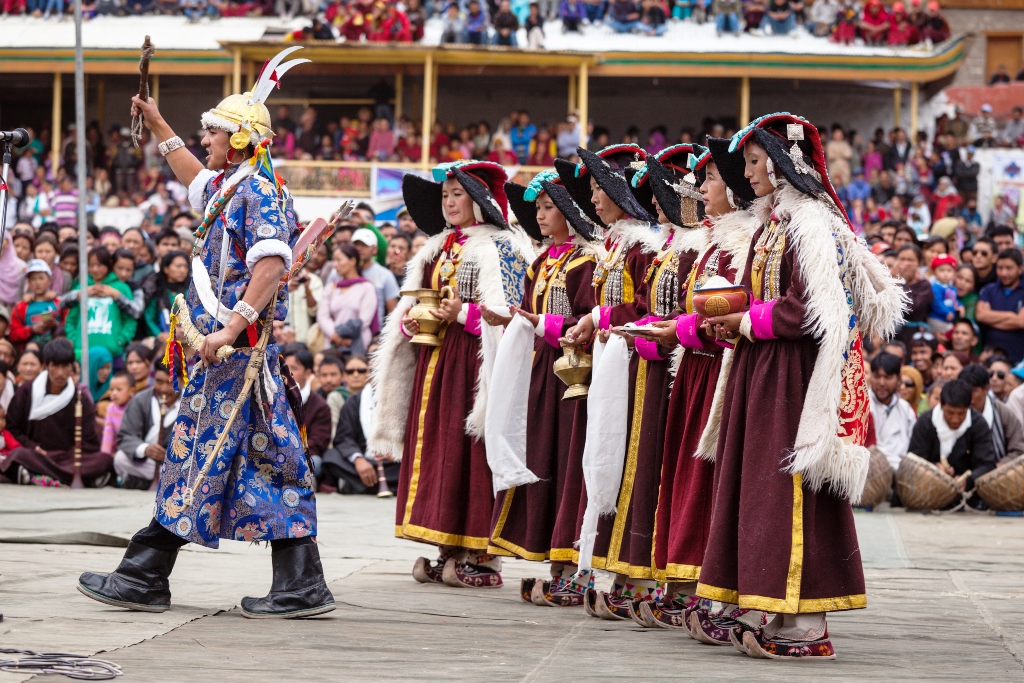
{"x": 4, "y": 190}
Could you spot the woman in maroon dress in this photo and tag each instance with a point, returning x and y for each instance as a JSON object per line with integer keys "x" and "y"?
{"x": 600, "y": 187}
{"x": 666, "y": 183}
{"x": 796, "y": 407}
{"x": 685, "y": 492}
{"x": 538, "y": 521}
{"x": 432, "y": 405}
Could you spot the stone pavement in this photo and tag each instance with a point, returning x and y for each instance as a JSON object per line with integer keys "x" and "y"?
{"x": 945, "y": 595}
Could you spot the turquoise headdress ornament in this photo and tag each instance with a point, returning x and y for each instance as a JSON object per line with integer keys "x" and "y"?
{"x": 535, "y": 187}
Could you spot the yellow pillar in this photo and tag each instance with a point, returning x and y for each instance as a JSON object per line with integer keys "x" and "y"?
{"x": 250, "y": 73}
{"x": 896, "y": 105}
{"x": 433, "y": 96}
{"x": 583, "y": 102}
{"x": 101, "y": 97}
{"x": 572, "y": 93}
{"x": 236, "y": 73}
{"x": 914, "y": 95}
{"x": 399, "y": 86}
{"x": 744, "y": 113}
{"x": 154, "y": 88}
{"x": 55, "y": 125}
{"x": 429, "y": 82}
{"x": 227, "y": 86}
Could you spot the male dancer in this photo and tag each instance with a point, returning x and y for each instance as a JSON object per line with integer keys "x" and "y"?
{"x": 259, "y": 486}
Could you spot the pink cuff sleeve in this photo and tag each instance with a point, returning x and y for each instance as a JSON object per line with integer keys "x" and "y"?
{"x": 552, "y": 328}
{"x": 605, "y": 321}
{"x": 472, "y": 323}
{"x": 686, "y": 331}
{"x": 761, "y": 319}
{"x": 648, "y": 350}
{"x": 405, "y": 333}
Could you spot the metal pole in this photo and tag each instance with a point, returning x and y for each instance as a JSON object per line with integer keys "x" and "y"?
{"x": 83, "y": 250}
{"x": 55, "y": 141}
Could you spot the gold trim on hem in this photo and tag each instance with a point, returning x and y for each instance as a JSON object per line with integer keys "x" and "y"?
{"x": 414, "y": 480}
{"x": 716, "y": 593}
{"x": 417, "y": 533}
{"x": 677, "y": 572}
{"x": 628, "y": 474}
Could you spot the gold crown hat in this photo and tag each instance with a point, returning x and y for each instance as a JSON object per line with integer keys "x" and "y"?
{"x": 245, "y": 116}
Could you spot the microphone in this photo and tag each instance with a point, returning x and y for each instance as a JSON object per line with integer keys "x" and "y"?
{"x": 18, "y": 137}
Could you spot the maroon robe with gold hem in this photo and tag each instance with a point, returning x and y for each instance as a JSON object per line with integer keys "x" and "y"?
{"x": 538, "y": 521}
{"x": 629, "y": 548}
{"x": 775, "y": 545}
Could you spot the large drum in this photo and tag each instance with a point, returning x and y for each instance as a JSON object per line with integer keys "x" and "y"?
{"x": 923, "y": 486}
{"x": 878, "y": 487}
{"x": 1003, "y": 488}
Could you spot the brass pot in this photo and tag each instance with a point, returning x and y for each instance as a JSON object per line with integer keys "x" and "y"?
{"x": 574, "y": 368}
{"x": 427, "y": 300}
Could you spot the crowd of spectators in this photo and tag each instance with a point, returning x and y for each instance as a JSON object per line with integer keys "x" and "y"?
{"x": 914, "y": 201}
{"x": 498, "y": 22}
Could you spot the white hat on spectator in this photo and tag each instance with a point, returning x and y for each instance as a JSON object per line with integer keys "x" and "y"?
{"x": 365, "y": 236}
{"x": 987, "y": 108}
{"x": 38, "y": 266}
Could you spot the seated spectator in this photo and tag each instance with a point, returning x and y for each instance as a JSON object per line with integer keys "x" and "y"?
{"x": 1013, "y": 131}
{"x": 951, "y": 363}
{"x": 572, "y": 13}
{"x": 901, "y": 30}
{"x": 727, "y": 16}
{"x": 1007, "y": 429}
{"x": 908, "y": 263}
{"x": 30, "y": 364}
{"x": 594, "y": 10}
{"x": 347, "y": 462}
{"x": 779, "y": 18}
{"x": 350, "y": 297}
{"x": 945, "y": 305}
{"x": 652, "y": 18}
{"x": 138, "y": 359}
{"x": 145, "y": 430}
{"x": 476, "y": 24}
{"x": 912, "y": 389}
{"x": 35, "y": 318}
{"x": 122, "y": 388}
{"x": 522, "y": 135}
{"x": 623, "y": 16}
{"x": 41, "y": 417}
{"x": 935, "y": 29}
{"x": 964, "y": 338}
{"x": 331, "y": 376}
{"x": 8, "y": 382}
{"x": 101, "y": 370}
{"x": 534, "y": 26}
{"x": 955, "y": 437}
{"x": 506, "y": 24}
{"x": 874, "y": 23}
{"x": 922, "y": 352}
{"x": 893, "y": 417}
{"x": 500, "y": 155}
{"x": 1000, "y": 304}
{"x": 753, "y": 15}
{"x": 1002, "y": 379}
{"x": 317, "y": 414}
{"x": 847, "y": 23}
{"x": 417, "y": 15}
{"x": 108, "y": 326}
{"x": 822, "y": 17}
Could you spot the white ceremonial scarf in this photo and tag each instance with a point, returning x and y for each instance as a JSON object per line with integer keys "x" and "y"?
{"x": 304, "y": 390}
{"x": 368, "y": 409}
{"x": 43, "y": 404}
{"x": 153, "y": 435}
{"x": 607, "y": 431}
{"x": 947, "y": 436}
{"x": 507, "y": 404}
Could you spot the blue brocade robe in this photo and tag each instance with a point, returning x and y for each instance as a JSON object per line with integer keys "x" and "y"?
{"x": 260, "y": 487}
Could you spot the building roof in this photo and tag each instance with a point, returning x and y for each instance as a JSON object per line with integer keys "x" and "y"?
{"x": 687, "y": 49}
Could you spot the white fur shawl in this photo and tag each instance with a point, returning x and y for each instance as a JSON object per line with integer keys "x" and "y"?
{"x": 395, "y": 366}
{"x": 732, "y": 232}
{"x": 815, "y": 231}
{"x": 633, "y": 231}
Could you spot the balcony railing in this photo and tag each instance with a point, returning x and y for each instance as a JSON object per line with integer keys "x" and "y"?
{"x": 356, "y": 178}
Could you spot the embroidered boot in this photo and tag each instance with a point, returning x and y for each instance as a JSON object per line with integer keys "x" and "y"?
{"x": 426, "y": 571}
{"x": 299, "y": 588}
{"x": 479, "y": 570}
{"x": 139, "y": 583}
{"x": 615, "y": 606}
{"x": 792, "y": 637}
{"x": 567, "y": 589}
{"x": 671, "y": 613}
{"x": 526, "y": 587}
{"x": 712, "y": 623}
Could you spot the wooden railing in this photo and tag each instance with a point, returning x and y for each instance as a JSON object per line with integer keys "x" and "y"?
{"x": 354, "y": 178}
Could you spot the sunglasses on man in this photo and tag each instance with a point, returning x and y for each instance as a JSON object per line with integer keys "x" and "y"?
{"x": 356, "y": 371}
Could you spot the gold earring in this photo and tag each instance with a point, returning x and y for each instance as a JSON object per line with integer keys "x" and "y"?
{"x": 239, "y": 140}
